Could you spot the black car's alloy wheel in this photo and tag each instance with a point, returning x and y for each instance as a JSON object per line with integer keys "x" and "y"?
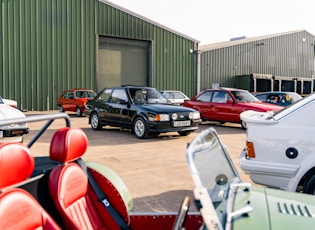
{"x": 95, "y": 122}
{"x": 140, "y": 128}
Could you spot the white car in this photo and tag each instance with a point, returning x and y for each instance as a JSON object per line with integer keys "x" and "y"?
{"x": 280, "y": 148}
{"x": 9, "y": 102}
{"x": 13, "y": 132}
{"x": 175, "y": 97}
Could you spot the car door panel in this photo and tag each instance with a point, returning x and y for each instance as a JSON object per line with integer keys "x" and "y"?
{"x": 118, "y": 108}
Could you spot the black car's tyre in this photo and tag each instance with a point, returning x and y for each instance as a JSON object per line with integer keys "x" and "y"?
{"x": 96, "y": 122}
{"x": 78, "y": 112}
{"x": 61, "y": 110}
{"x": 184, "y": 133}
{"x": 140, "y": 128}
{"x": 310, "y": 185}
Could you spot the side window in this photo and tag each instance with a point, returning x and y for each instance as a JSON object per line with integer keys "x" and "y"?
{"x": 64, "y": 95}
{"x": 118, "y": 96}
{"x": 70, "y": 95}
{"x": 81, "y": 94}
{"x": 220, "y": 97}
{"x": 169, "y": 95}
{"x": 104, "y": 96}
{"x": 205, "y": 97}
{"x": 262, "y": 97}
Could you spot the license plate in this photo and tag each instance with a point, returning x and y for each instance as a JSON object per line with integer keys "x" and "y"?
{"x": 181, "y": 123}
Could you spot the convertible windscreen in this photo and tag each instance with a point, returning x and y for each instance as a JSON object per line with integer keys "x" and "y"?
{"x": 212, "y": 170}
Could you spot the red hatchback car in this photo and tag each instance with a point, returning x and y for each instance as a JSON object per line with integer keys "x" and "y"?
{"x": 226, "y": 105}
{"x": 74, "y": 100}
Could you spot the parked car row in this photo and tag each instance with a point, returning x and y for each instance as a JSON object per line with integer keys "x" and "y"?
{"x": 128, "y": 107}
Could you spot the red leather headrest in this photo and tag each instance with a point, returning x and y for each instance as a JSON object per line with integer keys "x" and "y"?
{"x": 16, "y": 163}
{"x": 68, "y": 144}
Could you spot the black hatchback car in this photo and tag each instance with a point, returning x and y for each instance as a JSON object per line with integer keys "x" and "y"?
{"x": 143, "y": 110}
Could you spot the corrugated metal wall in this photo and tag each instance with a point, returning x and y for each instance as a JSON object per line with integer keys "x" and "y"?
{"x": 46, "y": 46}
{"x": 289, "y": 55}
{"x": 50, "y": 45}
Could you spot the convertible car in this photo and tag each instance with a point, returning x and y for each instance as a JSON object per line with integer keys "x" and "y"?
{"x": 61, "y": 191}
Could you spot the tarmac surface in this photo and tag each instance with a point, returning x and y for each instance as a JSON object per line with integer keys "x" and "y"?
{"x": 154, "y": 170}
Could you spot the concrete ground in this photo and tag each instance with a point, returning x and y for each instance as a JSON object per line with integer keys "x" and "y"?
{"x": 154, "y": 170}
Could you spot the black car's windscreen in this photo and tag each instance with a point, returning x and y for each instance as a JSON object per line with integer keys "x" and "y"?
{"x": 147, "y": 96}
{"x": 244, "y": 96}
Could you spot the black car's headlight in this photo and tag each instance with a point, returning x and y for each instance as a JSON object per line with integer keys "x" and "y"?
{"x": 174, "y": 116}
{"x": 194, "y": 115}
{"x": 160, "y": 117}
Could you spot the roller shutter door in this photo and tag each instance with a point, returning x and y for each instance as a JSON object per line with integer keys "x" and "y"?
{"x": 122, "y": 62}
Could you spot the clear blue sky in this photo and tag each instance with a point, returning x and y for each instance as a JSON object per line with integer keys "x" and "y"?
{"x": 212, "y": 21}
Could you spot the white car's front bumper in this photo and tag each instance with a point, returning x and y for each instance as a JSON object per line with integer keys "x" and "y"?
{"x": 271, "y": 174}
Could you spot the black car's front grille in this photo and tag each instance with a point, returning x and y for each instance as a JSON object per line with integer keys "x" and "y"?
{"x": 182, "y": 117}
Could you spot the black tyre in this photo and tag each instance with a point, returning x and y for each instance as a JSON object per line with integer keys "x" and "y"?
{"x": 244, "y": 125}
{"x": 140, "y": 128}
{"x": 184, "y": 133}
{"x": 310, "y": 185}
{"x": 96, "y": 122}
{"x": 78, "y": 112}
{"x": 61, "y": 110}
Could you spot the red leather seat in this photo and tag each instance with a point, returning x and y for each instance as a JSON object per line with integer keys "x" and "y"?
{"x": 18, "y": 208}
{"x": 69, "y": 187}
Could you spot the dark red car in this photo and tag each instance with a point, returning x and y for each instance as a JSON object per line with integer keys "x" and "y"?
{"x": 226, "y": 104}
{"x": 74, "y": 100}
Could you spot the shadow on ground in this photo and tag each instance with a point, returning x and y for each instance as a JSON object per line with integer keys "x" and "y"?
{"x": 164, "y": 202}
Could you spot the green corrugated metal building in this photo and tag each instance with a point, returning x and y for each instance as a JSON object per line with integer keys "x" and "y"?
{"x": 51, "y": 45}
{"x": 283, "y": 58}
